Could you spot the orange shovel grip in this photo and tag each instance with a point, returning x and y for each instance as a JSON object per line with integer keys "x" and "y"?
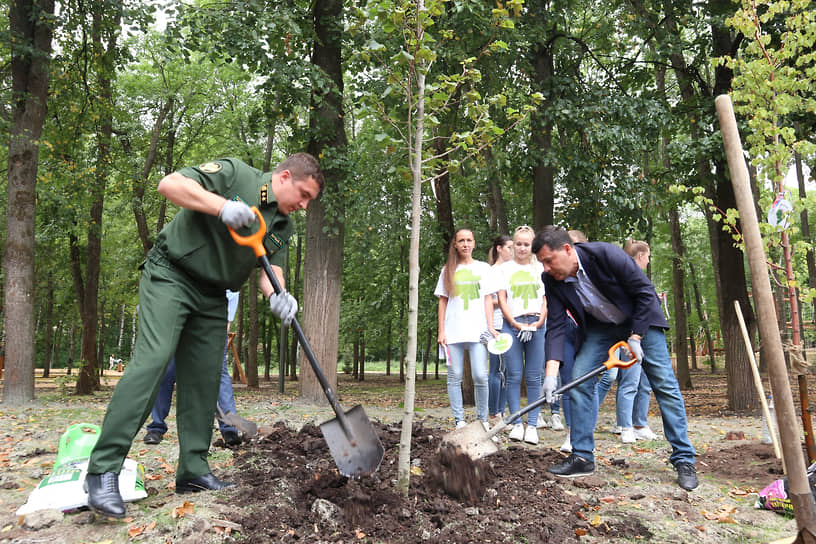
{"x": 254, "y": 240}
{"x": 613, "y": 360}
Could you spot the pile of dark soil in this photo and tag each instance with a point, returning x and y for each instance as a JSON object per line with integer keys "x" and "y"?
{"x": 290, "y": 490}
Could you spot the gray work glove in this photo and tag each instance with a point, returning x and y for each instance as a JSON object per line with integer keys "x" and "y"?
{"x": 525, "y": 334}
{"x": 635, "y": 348}
{"x": 236, "y": 214}
{"x": 485, "y": 337}
{"x": 548, "y": 387}
{"x": 284, "y": 306}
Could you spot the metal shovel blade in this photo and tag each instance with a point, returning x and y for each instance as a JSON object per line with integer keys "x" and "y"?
{"x": 248, "y": 428}
{"x": 357, "y": 453}
{"x": 473, "y": 440}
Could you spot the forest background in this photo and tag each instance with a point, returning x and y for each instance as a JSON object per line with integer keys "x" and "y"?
{"x": 427, "y": 117}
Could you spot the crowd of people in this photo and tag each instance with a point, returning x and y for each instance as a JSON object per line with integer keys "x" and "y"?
{"x": 561, "y": 299}
{"x": 564, "y": 301}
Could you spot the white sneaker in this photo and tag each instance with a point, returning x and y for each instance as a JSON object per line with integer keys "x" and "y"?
{"x": 617, "y": 430}
{"x": 556, "y": 423}
{"x": 518, "y": 432}
{"x": 628, "y": 435}
{"x": 531, "y": 435}
{"x": 460, "y": 424}
{"x": 486, "y": 425}
{"x": 541, "y": 423}
{"x": 566, "y": 446}
{"x": 645, "y": 434}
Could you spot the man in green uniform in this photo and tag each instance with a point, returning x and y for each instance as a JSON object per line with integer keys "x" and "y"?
{"x": 183, "y": 312}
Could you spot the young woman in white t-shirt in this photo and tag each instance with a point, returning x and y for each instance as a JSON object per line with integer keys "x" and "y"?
{"x": 500, "y": 252}
{"x": 465, "y": 311}
{"x": 521, "y": 297}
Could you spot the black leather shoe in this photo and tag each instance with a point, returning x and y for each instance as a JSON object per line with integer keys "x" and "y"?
{"x": 207, "y": 482}
{"x": 103, "y": 494}
{"x": 153, "y": 437}
{"x": 231, "y": 438}
{"x": 686, "y": 475}
{"x": 573, "y": 467}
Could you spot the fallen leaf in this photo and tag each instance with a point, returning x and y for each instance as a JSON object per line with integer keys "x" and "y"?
{"x": 580, "y": 532}
{"x": 610, "y": 499}
{"x": 359, "y": 534}
{"x": 135, "y": 530}
{"x": 184, "y": 509}
{"x": 416, "y": 471}
{"x": 595, "y": 521}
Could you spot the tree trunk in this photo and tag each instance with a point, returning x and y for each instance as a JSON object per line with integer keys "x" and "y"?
{"x": 140, "y": 183}
{"x": 809, "y": 254}
{"x": 702, "y": 315}
{"x": 251, "y": 365}
{"x": 495, "y": 198}
{"x": 361, "y": 375}
{"x": 104, "y": 34}
{"x": 30, "y": 57}
{"x": 541, "y": 138}
{"x": 49, "y": 317}
{"x": 293, "y": 359}
{"x": 388, "y": 348}
{"x": 323, "y": 266}
{"x": 679, "y": 282}
{"x": 71, "y": 345}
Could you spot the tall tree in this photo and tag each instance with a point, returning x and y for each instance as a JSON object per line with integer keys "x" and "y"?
{"x": 31, "y": 28}
{"x": 105, "y": 27}
{"x": 325, "y": 229}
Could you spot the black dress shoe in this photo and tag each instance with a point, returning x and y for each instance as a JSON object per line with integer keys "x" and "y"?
{"x": 231, "y": 438}
{"x": 153, "y": 437}
{"x": 686, "y": 475}
{"x": 207, "y": 482}
{"x": 573, "y": 467}
{"x": 103, "y": 494}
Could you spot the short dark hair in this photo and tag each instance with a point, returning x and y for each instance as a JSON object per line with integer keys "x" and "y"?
{"x": 551, "y": 236}
{"x": 302, "y": 166}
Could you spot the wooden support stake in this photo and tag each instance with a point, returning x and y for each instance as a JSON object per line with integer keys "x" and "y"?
{"x": 804, "y": 508}
{"x": 758, "y": 382}
{"x": 236, "y": 359}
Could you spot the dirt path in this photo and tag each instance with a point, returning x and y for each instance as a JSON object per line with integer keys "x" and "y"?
{"x": 287, "y": 478}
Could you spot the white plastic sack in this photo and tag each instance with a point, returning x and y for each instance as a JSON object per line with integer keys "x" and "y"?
{"x": 63, "y": 488}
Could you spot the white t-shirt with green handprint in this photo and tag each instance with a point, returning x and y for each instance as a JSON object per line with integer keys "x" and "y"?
{"x": 523, "y": 285}
{"x": 465, "y": 314}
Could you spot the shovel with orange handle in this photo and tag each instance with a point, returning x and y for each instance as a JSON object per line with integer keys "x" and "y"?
{"x": 351, "y": 438}
{"x": 475, "y": 442}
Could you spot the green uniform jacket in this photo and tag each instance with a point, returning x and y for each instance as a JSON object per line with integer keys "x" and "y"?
{"x": 200, "y": 244}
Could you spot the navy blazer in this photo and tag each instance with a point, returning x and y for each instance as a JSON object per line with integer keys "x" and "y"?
{"x": 619, "y": 278}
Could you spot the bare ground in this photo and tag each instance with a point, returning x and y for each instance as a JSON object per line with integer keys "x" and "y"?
{"x": 289, "y": 489}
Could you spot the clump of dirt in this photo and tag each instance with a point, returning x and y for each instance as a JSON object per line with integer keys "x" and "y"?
{"x": 506, "y": 497}
{"x": 459, "y": 475}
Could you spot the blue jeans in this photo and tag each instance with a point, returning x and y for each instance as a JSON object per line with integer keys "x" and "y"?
{"x": 161, "y": 407}
{"x": 656, "y": 365}
{"x": 497, "y": 393}
{"x": 640, "y": 409}
{"x": 478, "y": 371}
{"x": 628, "y": 379}
{"x": 565, "y": 372}
{"x": 526, "y": 358}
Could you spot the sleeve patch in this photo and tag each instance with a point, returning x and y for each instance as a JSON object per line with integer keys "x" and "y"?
{"x": 210, "y": 167}
{"x": 275, "y": 239}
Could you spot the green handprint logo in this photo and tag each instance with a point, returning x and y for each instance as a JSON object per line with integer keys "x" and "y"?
{"x": 524, "y": 286}
{"x": 466, "y": 285}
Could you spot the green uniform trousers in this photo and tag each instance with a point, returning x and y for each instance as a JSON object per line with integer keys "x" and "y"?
{"x": 176, "y": 316}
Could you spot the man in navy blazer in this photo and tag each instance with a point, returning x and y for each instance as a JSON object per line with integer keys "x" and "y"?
{"x": 611, "y": 299}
